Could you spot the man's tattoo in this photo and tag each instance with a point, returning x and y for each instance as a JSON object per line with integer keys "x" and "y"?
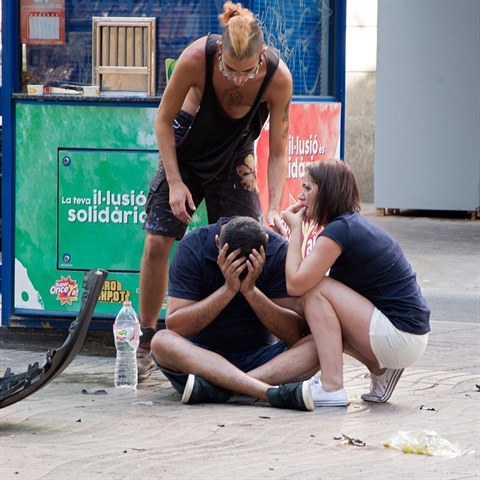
{"x": 287, "y": 111}
{"x": 232, "y": 96}
{"x": 285, "y": 118}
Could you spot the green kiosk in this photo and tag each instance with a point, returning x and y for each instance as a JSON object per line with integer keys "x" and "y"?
{"x": 81, "y": 82}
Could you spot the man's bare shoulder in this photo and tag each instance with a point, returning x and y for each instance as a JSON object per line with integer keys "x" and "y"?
{"x": 282, "y": 78}
{"x": 194, "y": 54}
{"x": 281, "y": 85}
{"x": 190, "y": 67}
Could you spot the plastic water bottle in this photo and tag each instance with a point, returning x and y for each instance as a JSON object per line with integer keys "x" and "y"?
{"x": 126, "y": 331}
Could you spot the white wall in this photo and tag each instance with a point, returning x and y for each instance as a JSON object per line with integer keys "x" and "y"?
{"x": 361, "y": 46}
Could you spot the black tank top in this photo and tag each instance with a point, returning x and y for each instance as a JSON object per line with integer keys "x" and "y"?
{"x": 214, "y": 138}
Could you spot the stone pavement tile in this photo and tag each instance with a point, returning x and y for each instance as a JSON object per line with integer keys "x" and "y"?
{"x": 60, "y": 433}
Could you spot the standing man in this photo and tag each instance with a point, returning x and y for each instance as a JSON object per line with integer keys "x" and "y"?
{"x": 220, "y": 94}
{"x": 227, "y": 309}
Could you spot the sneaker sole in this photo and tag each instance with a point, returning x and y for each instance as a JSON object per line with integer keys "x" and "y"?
{"x": 367, "y": 397}
{"x": 332, "y": 403}
{"x": 307, "y": 396}
{"x": 187, "y": 392}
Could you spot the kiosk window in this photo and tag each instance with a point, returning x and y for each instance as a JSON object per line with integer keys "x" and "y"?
{"x": 302, "y": 34}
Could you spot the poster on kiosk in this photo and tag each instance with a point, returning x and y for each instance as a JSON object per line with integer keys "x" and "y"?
{"x": 95, "y": 219}
{"x": 314, "y": 135}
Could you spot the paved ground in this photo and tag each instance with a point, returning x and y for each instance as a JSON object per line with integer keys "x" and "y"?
{"x": 62, "y": 433}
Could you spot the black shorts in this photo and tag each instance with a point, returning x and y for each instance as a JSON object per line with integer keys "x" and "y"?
{"x": 236, "y": 194}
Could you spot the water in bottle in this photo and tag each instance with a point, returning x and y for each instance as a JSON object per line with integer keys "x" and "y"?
{"x": 126, "y": 331}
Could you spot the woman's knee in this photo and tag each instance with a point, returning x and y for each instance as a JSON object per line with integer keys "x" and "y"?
{"x": 317, "y": 293}
{"x": 325, "y": 291}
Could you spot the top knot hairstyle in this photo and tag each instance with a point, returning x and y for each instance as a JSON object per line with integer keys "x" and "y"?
{"x": 242, "y": 36}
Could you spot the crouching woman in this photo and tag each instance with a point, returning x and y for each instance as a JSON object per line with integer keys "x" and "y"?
{"x": 359, "y": 292}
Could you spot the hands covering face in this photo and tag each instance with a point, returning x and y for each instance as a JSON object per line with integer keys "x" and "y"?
{"x": 232, "y": 267}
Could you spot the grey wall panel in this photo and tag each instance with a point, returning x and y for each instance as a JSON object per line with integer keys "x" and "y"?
{"x": 427, "y": 132}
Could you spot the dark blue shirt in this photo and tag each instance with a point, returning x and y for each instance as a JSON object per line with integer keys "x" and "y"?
{"x": 194, "y": 275}
{"x": 373, "y": 264}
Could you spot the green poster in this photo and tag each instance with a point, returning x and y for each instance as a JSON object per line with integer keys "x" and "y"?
{"x": 101, "y": 199}
{"x": 82, "y": 174}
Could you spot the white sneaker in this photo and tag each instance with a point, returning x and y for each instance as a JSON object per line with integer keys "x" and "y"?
{"x": 322, "y": 398}
{"x": 382, "y": 386}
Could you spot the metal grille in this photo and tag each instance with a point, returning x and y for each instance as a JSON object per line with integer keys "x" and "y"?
{"x": 124, "y": 54}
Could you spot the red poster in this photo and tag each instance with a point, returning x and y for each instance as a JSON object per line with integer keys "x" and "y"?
{"x": 314, "y": 135}
{"x": 42, "y": 22}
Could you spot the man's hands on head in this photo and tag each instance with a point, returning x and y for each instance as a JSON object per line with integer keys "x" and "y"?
{"x": 254, "y": 264}
{"x": 232, "y": 266}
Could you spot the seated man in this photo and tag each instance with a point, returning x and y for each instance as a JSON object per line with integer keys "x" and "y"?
{"x": 227, "y": 302}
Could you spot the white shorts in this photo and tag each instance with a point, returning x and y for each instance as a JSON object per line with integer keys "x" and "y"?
{"x": 392, "y": 347}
